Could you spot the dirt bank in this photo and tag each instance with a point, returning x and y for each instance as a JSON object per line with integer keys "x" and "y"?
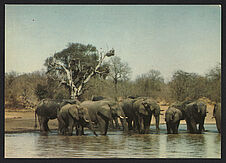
{"x": 22, "y": 120}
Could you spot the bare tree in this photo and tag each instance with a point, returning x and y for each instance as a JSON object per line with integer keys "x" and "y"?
{"x": 74, "y": 66}
{"x": 119, "y": 71}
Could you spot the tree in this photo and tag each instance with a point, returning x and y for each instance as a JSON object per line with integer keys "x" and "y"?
{"x": 213, "y": 78}
{"x": 150, "y": 83}
{"x": 119, "y": 71}
{"x": 186, "y": 85}
{"x": 74, "y": 66}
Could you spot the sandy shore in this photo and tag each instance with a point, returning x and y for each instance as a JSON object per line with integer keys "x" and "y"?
{"x": 22, "y": 120}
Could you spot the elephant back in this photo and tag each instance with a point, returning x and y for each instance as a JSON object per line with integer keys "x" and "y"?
{"x": 95, "y": 106}
{"x": 48, "y": 108}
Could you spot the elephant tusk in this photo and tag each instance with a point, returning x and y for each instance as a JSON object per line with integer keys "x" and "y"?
{"x": 122, "y": 117}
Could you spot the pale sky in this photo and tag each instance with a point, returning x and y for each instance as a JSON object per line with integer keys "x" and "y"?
{"x": 161, "y": 37}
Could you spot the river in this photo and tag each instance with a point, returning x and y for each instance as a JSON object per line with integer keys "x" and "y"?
{"x": 115, "y": 145}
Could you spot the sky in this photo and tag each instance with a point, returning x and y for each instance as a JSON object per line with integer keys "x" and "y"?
{"x": 160, "y": 37}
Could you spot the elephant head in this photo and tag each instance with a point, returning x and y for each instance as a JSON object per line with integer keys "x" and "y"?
{"x": 74, "y": 112}
{"x": 81, "y": 115}
{"x": 199, "y": 109}
{"x": 173, "y": 115}
{"x": 117, "y": 112}
{"x": 151, "y": 105}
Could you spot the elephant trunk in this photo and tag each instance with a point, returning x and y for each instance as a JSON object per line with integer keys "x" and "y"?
{"x": 157, "y": 122}
{"x": 90, "y": 124}
{"x": 124, "y": 124}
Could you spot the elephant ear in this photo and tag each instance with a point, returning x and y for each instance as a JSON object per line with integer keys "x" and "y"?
{"x": 73, "y": 111}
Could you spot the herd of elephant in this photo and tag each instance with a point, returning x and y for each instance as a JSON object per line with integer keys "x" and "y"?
{"x": 135, "y": 115}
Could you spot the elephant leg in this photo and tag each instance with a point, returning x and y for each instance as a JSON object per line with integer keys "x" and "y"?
{"x": 124, "y": 125}
{"x": 79, "y": 130}
{"x": 136, "y": 126}
{"x": 157, "y": 122}
{"x": 168, "y": 128}
{"x": 60, "y": 125}
{"x": 129, "y": 121}
{"x": 116, "y": 123}
{"x": 188, "y": 123}
{"x": 193, "y": 127}
{"x": 147, "y": 125}
{"x": 106, "y": 127}
{"x": 111, "y": 125}
{"x": 46, "y": 125}
{"x": 102, "y": 125}
{"x": 141, "y": 125}
{"x": 218, "y": 124}
{"x": 42, "y": 124}
{"x": 175, "y": 128}
{"x": 201, "y": 126}
{"x": 40, "y": 120}
{"x": 70, "y": 126}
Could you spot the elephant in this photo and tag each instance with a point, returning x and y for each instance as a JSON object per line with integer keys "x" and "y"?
{"x": 127, "y": 107}
{"x": 154, "y": 109}
{"x": 73, "y": 115}
{"x": 47, "y": 109}
{"x": 97, "y": 98}
{"x": 117, "y": 112}
{"x": 100, "y": 113}
{"x": 195, "y": 113}
{"x": 172, "y": 118}
{"x": 139, "y": 112}
{"x": 217, "y": 116}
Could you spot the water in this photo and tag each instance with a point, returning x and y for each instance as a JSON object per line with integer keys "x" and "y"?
{"x": 115, "y": 145}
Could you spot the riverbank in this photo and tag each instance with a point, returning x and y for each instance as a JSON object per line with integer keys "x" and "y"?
{"x": 23, "y": 120}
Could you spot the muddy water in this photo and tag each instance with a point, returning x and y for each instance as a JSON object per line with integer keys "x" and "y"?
{"x": 115, "y": 145}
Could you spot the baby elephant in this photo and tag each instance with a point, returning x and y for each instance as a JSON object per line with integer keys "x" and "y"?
{"x": 73, "y": 115}
{"x": 172, "y": 118}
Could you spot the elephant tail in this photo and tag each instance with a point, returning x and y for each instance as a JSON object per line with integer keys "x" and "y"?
{"x": 35, "y": 119}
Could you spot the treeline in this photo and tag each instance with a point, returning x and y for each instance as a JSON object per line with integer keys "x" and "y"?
{"x": 25, "y": 90}
{"x": 80, "y": 71}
